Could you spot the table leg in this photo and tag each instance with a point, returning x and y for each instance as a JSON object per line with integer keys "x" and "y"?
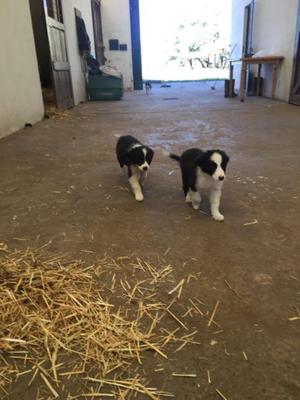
{"x": 274, "y": 79}
{"x": 243, "y": 80}
{"x": 231, "y": 81}
{"x": 258, "y": 80}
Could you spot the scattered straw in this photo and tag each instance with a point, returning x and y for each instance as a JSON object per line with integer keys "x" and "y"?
{"x": 52, "y": 390}
{"x": 67, "y": 321}
{"x": 167, "y": 251}
{"x": 255, "y": 221}
{"x": 213, "y": 313}
{"x": 208, "y": 376}
{"x": 221, "y": 394}
{"x": 177, "y": 287}
{"x": 101, "y": 395}
{"x": 53, "y": 113}
{"x": 177, "y": 319}
{"x": 235, "y": 292}
{"x": 294, "y": 318}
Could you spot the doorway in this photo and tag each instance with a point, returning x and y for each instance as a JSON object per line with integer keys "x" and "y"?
{"x": 184, "y": 41}
{"x": 50, "y": 44}
{"x": 295, "y": 82}
{"x": 247, "y": 49}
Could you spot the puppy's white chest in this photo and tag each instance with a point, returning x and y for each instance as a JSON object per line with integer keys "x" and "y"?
{"x": 205, "y": 181}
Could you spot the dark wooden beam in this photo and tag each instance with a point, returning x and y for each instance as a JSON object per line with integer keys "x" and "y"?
{"x": 136, "y": 45}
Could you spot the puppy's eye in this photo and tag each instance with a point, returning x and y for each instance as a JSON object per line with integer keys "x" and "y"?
{"x": 212, "y": 165}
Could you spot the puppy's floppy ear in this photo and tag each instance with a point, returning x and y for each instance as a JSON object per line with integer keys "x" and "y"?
{"x": 205, "y": 163}
{"x": 225, "y": 160}
{"x": 149, "y": 156}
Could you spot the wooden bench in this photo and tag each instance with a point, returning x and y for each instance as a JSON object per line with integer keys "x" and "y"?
{"x": 275, "y": 61}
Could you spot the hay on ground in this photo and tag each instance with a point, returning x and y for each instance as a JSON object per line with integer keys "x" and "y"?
{"x": 58, "y": 323}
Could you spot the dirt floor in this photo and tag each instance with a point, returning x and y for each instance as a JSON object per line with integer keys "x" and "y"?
{"x": 60, "y": 182}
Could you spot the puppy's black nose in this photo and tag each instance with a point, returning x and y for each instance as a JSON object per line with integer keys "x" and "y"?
{"x": 221, "y": 178}
{"x": 145, "y": 168}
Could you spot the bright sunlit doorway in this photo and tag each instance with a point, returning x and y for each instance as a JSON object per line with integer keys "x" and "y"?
{"x": 185, "y": 40}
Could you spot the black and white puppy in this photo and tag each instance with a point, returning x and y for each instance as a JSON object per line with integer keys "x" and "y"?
{"x": 203, "y": 170}
{"x": 148, "y": 87}
{"x": 137, "y": 158}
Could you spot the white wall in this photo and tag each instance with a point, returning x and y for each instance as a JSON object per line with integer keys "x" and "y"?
{"x": 274, "y": 32}
{"x": 20, "y": 89}
{"x": 77, "y": 71}
{"x": 116, "y": 25}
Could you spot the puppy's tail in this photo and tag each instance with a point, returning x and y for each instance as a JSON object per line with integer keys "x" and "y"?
{"x": 171, "y": 155}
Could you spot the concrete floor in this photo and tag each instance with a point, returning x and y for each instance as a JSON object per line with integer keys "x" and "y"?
{"x": 60, "y": 181}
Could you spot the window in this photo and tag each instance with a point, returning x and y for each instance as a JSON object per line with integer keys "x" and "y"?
{"x": 54, "y": 10}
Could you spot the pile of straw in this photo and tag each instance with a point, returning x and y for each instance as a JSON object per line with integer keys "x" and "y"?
{"x": 58, "y": 324}
{"x": 52, "y": 112}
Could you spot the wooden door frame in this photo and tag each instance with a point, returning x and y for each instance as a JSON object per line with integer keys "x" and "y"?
{"x": 295, "y": 61}
{"x": 247, "y": 50}
{"x": 57, "y": 65}
{"x": 136, "y": 45}
{"x": 100, "y": 57}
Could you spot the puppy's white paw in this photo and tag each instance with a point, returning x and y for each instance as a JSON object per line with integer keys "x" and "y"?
{"x": 218, "y": 217}
{"x": 139, "y": 197}
{"x": 188, "y": 198}
{"x": 195, "y": 205}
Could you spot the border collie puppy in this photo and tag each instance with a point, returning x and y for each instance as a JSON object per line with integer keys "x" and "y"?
{"x": 137, "y": 158}
{"x": 203, "y": 170}
{"x": 148, "y": 87}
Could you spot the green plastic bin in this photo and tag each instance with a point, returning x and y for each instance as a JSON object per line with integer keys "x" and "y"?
{"x": 105, "y": 88}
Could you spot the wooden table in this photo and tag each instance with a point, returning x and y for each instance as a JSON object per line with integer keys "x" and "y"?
{"x": 246, "y": 61}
